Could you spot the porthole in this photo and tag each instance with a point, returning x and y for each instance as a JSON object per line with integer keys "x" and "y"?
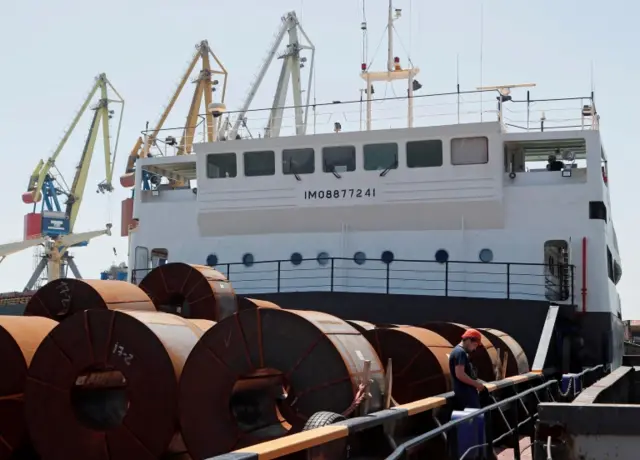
{"x": 247, "y": 259}
{"x": 360, "y": 257}
{"x": 442, "y": 256}
{"x": 485, "y": 255}
{"x": 296, "y": 258}
{"x": 387, "y": 257}
{"x": 323, "y": 258}
{"x": 212, "y": 260}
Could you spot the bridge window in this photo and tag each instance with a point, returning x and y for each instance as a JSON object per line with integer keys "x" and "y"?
{"x": 379, "y": 157}
{"x": 424, "y": 154}
{"x": 469, "y": 151}
{"x": 261, "y": 163}
{"x": 221, "y": 165}
{"x": 298, "y": 161}
{"x": 339, "y": 159}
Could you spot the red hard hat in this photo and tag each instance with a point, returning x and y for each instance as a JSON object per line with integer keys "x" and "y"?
{"x": 472, "y": 334}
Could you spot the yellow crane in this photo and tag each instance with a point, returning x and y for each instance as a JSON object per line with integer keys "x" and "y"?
{"x": 205, "y": 87}
{"x": 53, "y": 226}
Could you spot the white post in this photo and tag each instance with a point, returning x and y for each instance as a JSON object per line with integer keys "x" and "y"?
{"x": 410, "y": 102}
{"x": 390, "y": 38}
{"x": 368, "y": 103}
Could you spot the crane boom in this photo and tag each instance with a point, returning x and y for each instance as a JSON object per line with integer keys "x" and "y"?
{"x": 290, "y": 72}
{"x": 55, "y": 229}
{"x": 205, "y": 86}
{"x": 43, "y": 168}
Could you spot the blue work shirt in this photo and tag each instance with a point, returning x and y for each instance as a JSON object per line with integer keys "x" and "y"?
{"x": 466, "y": 395}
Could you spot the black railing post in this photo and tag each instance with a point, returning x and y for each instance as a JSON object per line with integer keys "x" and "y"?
{"x": 229, "y": 271}
{"x": 516, "y": 431}
{"x": 332, "y": 272}
{"x": 573, "y": 280}
{"x": 488, "y": 433}
{"x": 387, "y": 277}
{"x": 446, "y": 279}
{"x": 278, "y": 277}
{"x": 508, "y": 280}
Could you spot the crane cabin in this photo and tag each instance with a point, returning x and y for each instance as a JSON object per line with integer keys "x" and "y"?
{"x": 467, "y": 222}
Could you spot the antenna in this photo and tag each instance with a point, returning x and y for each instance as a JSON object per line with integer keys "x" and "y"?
{"x": 481, "y": 49}
{"x": 458, "y": 83}
{"x": 393, "y": 72}
{"x": 505, "y": 91}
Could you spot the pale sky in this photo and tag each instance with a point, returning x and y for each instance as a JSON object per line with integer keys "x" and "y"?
{"x": 51, "y": 51}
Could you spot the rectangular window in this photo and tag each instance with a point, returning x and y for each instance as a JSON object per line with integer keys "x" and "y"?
{"x": 469, "y": 151}
{"x": 221, "y": 165}
{"x": 298, "y": 161}
{"x": 261, "y": 163}
{"x": 379, "y": 157}
{"x": 339, "y": 159}
{"x": 424, "y": 154}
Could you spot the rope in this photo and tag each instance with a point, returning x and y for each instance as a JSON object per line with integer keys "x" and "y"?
{"x": 360, "y": 396}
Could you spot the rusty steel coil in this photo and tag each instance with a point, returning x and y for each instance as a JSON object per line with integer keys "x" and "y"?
{"x": 361, "y": 326}
{"x": 245, "y": 303}
{"x": 262, "y": 373}
{"x": 419, "y": 360}
{"x": 484, "y": 358}
{"x": 61, "y": 298}
{"x": 19, "y": 338}
{"x": 516, "y": 362}
{"x": 191, "y": 291}
{"x": 103, "y": 385}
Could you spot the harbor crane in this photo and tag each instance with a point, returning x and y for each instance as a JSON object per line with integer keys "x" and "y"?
{"x": 53, "y": 226}
{"x": 206, "y": 85}
{"x": 292, "y": 62}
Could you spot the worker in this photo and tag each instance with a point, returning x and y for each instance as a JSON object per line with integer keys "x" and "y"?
{"x": 465, "y": 382}
{"x": 553, "y": 164}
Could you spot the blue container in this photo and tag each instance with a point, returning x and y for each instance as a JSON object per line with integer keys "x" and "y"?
{"x": 55, "y": 223}
{"x": 104, "y": 275}
{"x": 470, "y": 433}
{"x": 121, "y": 276}
{"x": 576, "y": 387}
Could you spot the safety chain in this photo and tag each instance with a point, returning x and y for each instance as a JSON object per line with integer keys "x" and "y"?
{"x": 565, "y": 395}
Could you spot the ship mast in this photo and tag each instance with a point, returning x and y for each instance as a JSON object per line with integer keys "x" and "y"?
{"x": 394, "y": 71}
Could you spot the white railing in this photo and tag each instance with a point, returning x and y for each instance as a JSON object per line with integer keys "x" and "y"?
{"x": 519, "y": 114}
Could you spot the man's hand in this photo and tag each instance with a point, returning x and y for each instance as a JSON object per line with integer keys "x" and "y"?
{"x": 480, "y": 386}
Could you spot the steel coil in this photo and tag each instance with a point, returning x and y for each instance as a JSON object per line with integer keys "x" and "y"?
{"x": 262, "y": 373}
{"x": 103, "y": 385}
{"x": 191, "y": 291}
{"x": 63, "y": 297}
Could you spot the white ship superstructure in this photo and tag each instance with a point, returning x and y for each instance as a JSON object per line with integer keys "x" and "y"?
{"x": 509, "y": 203}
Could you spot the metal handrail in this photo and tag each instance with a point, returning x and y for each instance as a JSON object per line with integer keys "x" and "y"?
{"x": 412, "y": 443}
{"x": 421, "y": 439}
{"x": 508, "y": 276}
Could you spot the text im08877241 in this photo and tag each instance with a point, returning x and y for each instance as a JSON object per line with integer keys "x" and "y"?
{"x": 339, "y": 193}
